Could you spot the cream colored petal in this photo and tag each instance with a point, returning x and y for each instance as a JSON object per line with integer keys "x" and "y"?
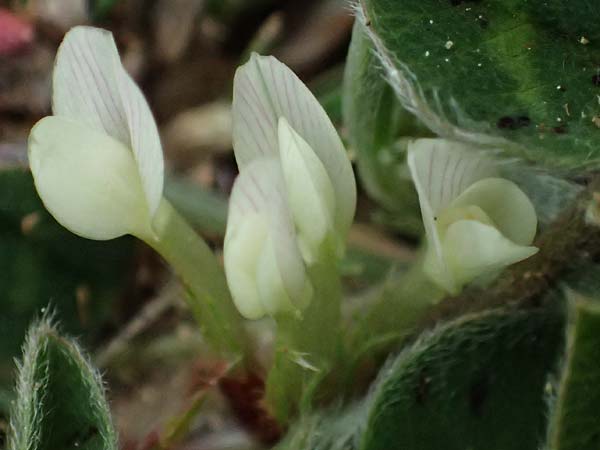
{"x": 87, "y": 180}
{"x": 507, "y": 206}
{"x": 260, "y": 191}
{"x": 91, "y": 86}
{"x": 271, "y": 288}
{"x": 310, "y": 193}
{"x": 441, "y": 170}
{"x": 444, "y": 169}
{"x": 243, "y": 246}
{"x": 473, "y": 249}
{"x": 266, "y": 90}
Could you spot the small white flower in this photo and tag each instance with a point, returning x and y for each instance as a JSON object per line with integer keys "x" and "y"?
{"x": 296, "y": 191}
{"x": 476, "y": 223}
{"x": 97, "y": 162}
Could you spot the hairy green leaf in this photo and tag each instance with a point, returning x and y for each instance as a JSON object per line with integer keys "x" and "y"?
{"x": 516, "y": 75}
{"x": 474, "y": 383}
{"x": 60, "y": 397}
{"x": 574, "y": 423}
{"x": 375, "y": 122}
{"x": 41, "y": 263}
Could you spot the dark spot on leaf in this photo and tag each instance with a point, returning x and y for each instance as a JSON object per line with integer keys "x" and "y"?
{"x": 560, "y": 129}
{"x": 83, "y": 437}
{"x": 478, "y": 394}
{"x": 523, "y": 121}
{"x": 596, "y": 80}
{"x": 483, "y": 22}
{"x": 513, "y": 123}
{"x": 506, "y": 122}
{"x": 460, "y": 2}
{"x": 422, "y": 390}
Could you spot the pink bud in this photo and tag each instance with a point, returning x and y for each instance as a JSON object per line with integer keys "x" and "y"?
{"x": 15, "y": 33}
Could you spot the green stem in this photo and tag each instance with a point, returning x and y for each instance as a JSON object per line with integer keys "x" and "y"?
{"x": 398, "y": 310}
{"x": 195, "y": 264}
{"x": 307, "y": 347}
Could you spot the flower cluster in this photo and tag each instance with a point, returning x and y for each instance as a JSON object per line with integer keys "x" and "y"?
{"x": 98, "y": 166}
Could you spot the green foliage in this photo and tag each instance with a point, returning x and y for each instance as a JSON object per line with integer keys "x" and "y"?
{"x": 204, "y": 209}
{"x": 518, "y": 75}
{"x": 46, "y": 264}
{"x": 60, "y": 398}
{"x": 375, "y": 121}
{"x": 575, "y": 424}
{"x": 335, "y": 429}
{"x": 100, "y": 9}
{"x": 475, "y": 383}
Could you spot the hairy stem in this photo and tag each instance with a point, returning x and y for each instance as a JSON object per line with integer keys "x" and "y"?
{"x": 307, "y": 347}
{"x": 197, "y": 267}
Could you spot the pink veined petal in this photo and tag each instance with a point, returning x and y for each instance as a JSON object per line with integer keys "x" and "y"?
{"x": 91, "y": 86}
{"x": 264, "y": 91}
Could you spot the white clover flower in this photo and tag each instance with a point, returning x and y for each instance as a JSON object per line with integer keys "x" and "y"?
{"x": 295, "y": 195}
{"x": 476, "y": 223}
{"x": 97, "y": 162}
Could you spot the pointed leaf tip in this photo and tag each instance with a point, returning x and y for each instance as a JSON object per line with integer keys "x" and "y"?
{"x": 60, "y": 397}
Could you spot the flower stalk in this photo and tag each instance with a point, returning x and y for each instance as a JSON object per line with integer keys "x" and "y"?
{"x": 309, "y": 345}
{"x": 196, "y": 265}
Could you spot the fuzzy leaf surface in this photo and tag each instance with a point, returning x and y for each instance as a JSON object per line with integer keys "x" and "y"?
{"x": 474, "y": 383}
{"x": 519, "y": 76}
{"x": 60, "y": 398}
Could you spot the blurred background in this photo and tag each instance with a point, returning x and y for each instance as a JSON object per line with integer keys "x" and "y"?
{"x": 118, "y": 297}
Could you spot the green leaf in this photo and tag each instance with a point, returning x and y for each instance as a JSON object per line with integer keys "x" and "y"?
{"x": 60, "y": 398}
{"x": 41, "y": 263}
{"x": 474, "y": 383}
{"x": 205, "y": 210}
{"x": 100, "y": 9}
{"x": 375, "y": 121}
{"x": 334, "y": 429}
{"x": 516, "y": 75}
{"x": 574, "y": 424}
